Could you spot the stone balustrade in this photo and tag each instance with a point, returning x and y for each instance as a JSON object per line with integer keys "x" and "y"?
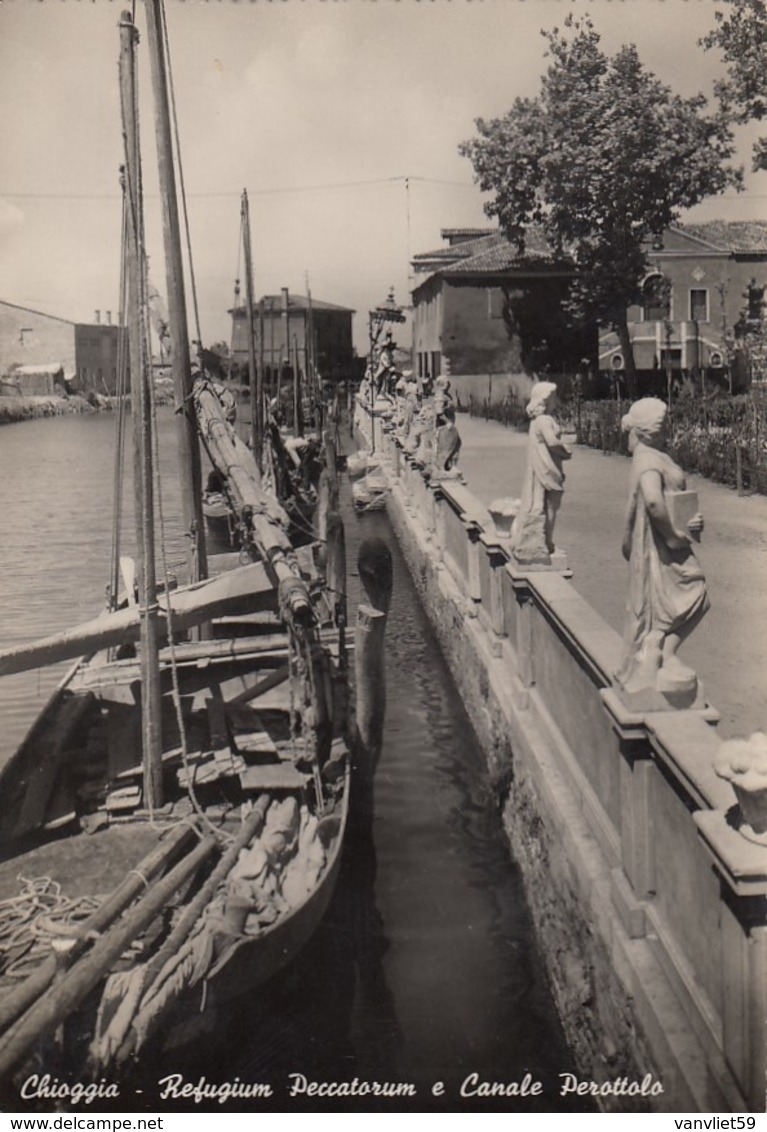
{"x": 649, "y": 904}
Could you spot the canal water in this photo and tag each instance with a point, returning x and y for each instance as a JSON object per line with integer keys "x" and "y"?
{"x": 424, "y": 972}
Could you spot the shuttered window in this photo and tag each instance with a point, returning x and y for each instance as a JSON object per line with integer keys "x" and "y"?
{"x": 699, "y": 304}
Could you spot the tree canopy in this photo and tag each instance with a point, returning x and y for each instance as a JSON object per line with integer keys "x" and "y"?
{"x": 604, "y": 158}
{"x": 741, "y": 34}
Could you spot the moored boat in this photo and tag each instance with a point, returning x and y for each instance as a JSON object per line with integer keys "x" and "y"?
{"x": 178, "y": 809}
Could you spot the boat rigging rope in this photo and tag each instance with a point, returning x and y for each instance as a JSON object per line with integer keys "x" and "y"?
{"x": 152, "y": 488}
{"x": 120, "y": 392}
{"x": 32, "y": 922}
{"x": 176, "y": 692}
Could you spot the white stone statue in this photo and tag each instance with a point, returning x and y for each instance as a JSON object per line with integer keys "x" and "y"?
{"x": 447, "y": 445}
{"x": 544, "y": 483}
{"x": 667, "y": 589}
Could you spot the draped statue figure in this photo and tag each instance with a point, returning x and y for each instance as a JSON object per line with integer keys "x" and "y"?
{"x": 667, "y": 589}
{"x": 533, "y": 531}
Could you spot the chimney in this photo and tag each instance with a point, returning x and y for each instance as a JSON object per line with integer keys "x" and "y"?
{"x": 97, "y": 316}
{"x": 109, "y": 318}
{"x": 285, "y": 300}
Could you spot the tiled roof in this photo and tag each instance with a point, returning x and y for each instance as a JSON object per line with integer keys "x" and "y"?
{"x": 462, "y": 250}
{"x": 296, "y": 303}
{"x": 492, "y": 252}
{"x": 502, "y": 255}
{"x": 449, "y": 233}
{"x": 730, "y": 235}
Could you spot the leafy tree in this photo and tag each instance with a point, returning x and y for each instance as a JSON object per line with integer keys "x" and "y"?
{"x": 603, "y": 158}
{"x": 741, "y": 34}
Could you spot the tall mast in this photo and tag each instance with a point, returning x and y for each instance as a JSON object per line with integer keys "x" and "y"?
{"x": 189, "y": 451}
{"x": 310, "y": 356}
{"x": 256, "y": 373}
{"x": 261, "y": 352}
{"x": 286, "y": 314}
{"x": 140, "y": 373}
{"x": 298, "y": 423}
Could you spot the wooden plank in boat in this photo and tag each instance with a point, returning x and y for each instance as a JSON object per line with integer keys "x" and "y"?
{"x": 126, "y": 798}
{"x": 275, "y": 699}
{"x": 52, "y": 743}
{"x": 174, "y": 755}
{"x": 219, "y": 734}
{"x": 210, "y": 770}
{"x": 221, "y": 563}
{"x": 123, "y": 742}
{"x": 271, "y": 647}
{"x": 273, "y": 776}
{"x": 253, "y": 690}
{"x": 255, "y": 743}
{"x": 263, "y": 617}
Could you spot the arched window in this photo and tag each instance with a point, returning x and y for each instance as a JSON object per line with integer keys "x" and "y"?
{"x": 656, "y": 298}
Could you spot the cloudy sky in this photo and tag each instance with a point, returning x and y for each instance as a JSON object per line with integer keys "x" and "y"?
{"x": 341, "y": 117}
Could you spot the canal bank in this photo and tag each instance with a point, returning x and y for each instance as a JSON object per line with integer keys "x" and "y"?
{"x": 647, "y": 903}
{"x": 16, "y": 409}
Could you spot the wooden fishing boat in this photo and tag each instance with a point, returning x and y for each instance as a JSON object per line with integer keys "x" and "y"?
{"x": 178, "y": 809}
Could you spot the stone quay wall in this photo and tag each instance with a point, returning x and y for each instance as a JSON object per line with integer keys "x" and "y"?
{"x": 649, "y": 906}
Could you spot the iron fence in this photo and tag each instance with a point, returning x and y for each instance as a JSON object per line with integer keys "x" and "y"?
{"x": 721, "y": 438}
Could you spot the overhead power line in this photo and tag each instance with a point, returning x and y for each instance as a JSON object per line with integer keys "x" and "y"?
{"x": 251, "y": 192}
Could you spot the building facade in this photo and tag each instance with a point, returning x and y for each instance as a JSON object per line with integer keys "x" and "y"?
{"x": 33, "y": 343}
{"x": 485, "y": 307}
{"x": 702, "y": 297}
{"x": 297, "y": 328}
{"x": 482, "y": 307}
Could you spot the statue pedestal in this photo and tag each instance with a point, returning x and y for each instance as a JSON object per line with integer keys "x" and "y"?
{"x": 653, "y": 699}
{"x": 556, "y": 561}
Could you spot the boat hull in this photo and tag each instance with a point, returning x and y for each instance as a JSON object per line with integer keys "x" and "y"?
{"x": 43, "y": 825}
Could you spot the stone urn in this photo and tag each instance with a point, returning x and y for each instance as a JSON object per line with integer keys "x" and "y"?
{"x": 743, "y": 762}
{"x": 504, "y": 512}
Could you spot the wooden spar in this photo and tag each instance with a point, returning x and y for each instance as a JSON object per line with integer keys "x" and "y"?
{"x": 335, "y": 577}
{"x": 237, "y": 463}
{"x": 190, "y": 606}
{"x": 286, "y": 313}
{"x": 190, "y": 471}
{"x": 151, "y": 740}
{"x": 375, "y": 570}
{"x": 335, "y": 567}
{"x": 262, "y": 354}
{"x": 50, "y": 1010}
{"x": 21, "y": 997}
{"x": 250, "y": 828}
{"x": 298, "y": 410}
{"x": 311, "y": 361}
{"x": 256, "y": 374}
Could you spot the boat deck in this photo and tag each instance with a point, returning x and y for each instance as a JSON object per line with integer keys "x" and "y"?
{"x": 84, "y": 864}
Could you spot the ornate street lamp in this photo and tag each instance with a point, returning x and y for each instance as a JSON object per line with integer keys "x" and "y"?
{"x": 387, "y": 312}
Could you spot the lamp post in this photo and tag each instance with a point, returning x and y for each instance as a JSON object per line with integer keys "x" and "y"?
{"x": 388, "y": 311}
{"x": 669, "y": 335}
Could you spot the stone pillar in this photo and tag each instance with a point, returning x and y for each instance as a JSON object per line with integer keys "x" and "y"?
{"x": 473, "y": 533}
{"x": 637, "y": 844}
{"x": 497, "y": 558}
{"x": 523, "y": 642}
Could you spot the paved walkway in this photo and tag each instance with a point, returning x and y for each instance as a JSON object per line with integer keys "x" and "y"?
{"x": 729, "y": 649}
